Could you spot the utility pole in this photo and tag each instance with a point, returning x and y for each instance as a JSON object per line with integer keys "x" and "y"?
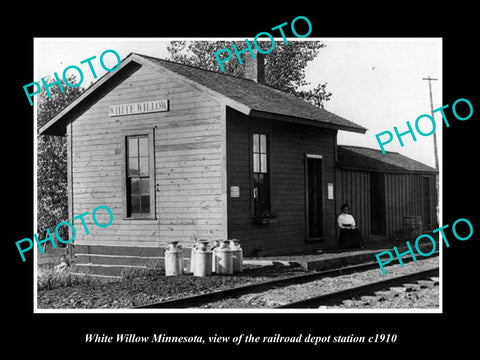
{"x": 435, "y": 151}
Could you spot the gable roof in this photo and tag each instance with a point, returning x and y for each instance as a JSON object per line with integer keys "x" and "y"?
{"x": 356, "y": 157}
{"x": 244, "y": 95}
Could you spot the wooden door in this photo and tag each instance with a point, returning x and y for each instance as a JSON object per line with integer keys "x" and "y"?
{"x": 314, "y": 197}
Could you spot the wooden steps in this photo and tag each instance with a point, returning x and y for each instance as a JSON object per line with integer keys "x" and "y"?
{"x": 114, "y": 263}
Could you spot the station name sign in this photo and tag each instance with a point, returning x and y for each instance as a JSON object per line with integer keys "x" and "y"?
{"x": 138, "y": 108}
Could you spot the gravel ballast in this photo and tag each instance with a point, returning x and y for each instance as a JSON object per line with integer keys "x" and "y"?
{"x": 143, "y": 290}
{"x": 285, "y": 295}
{"x": 153, "y": 288}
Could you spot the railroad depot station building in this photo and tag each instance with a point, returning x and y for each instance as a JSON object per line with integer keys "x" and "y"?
{"x": 180, "y": 154}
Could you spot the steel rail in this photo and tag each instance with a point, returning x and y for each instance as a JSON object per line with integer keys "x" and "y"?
{"x": 202, "y": 299}
{"x": 338, "y": 296}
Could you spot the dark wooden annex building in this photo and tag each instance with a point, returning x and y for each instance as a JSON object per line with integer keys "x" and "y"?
{"x": 180, "y": 153}
{"x": 384, "y": 189}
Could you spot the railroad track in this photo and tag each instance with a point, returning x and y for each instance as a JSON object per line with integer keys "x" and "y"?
{"x": 339, "y": 296}
{"x": 211, "y": 297}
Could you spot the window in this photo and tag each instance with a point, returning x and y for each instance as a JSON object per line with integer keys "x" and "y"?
{"x": 139, "y": 176}
{"x": 261, "y": 179}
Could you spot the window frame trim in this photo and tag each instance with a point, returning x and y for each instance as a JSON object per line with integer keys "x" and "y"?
{"x": 269, "y": 172}
{"x": 149, "y": 132}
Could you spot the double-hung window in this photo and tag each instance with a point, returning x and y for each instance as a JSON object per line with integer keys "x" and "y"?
{"x": 260, "y": 174}
{"x": 139, "y": 178}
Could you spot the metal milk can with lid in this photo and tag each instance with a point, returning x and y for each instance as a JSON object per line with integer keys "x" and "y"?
{"x": 237, "y": 255}
{"x": 173, "y": 259}
{"x": 224, "y": 259}
{"x": 202, "y": 260}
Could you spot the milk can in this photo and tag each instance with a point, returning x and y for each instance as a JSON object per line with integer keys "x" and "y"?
{"x": 173, "y": 259}
{"x": 224, "y": 259}
{"x": 215, "y": 246}
{"x": 202, "y": 260}
{"x": 237, "y": 255}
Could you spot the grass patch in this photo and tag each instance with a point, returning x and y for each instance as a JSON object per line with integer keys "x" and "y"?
{"x": 134, "y": 273}
{"x": 152, "y": 268}
{"x": 50, "y": 258}
{"x": 49, "y": 279}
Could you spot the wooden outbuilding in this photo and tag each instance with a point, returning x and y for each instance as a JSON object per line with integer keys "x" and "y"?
{"x": 181, "y": 154}
{"x": 385, "y": 191}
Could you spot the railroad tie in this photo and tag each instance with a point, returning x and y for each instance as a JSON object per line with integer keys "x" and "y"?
{"x": 412, "y": 287}
{"x": 427, "y": 283}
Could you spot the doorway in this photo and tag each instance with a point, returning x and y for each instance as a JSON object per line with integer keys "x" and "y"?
{"x": 314, "y": 197}
{"x": 427, "y": 209}
{"x": 377, "y": 204}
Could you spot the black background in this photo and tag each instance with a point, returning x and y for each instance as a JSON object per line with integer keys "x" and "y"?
{"x": 417, "y": 333}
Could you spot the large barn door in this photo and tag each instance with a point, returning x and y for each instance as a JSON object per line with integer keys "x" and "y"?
{"x": 314, "y": 197}
{"x": 427, "y": 209}
{"x": 377, "y": 204}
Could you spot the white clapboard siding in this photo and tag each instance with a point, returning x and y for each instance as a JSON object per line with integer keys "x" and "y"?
{"x": 189, "y": 163}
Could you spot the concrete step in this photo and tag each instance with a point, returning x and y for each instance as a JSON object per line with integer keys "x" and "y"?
{"x": 254, "y": 263}
{"x": 336, "y": 262}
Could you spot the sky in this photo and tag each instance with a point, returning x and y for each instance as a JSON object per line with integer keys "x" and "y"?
{"x": 376, "y": 82}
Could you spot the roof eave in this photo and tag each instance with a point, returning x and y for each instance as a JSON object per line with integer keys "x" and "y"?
{"x": 54, "y": 125}
{"x": 304, "y": 121}
{"x": 385, "y": 167}
{"x": 57, "y": 125}
{"x": 386, "y": 170}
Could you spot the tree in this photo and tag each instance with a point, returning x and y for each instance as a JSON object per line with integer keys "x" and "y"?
{"x": 52, "y": 200}
{"x": 284, "y": 65}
